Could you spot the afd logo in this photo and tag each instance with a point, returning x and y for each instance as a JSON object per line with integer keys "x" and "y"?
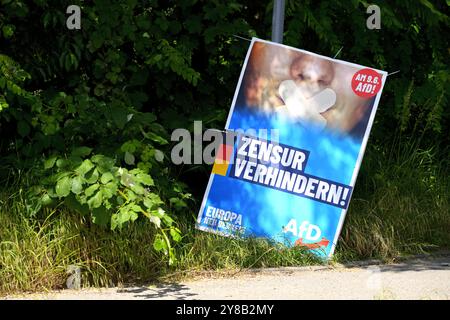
{"x": 305, "y": 230}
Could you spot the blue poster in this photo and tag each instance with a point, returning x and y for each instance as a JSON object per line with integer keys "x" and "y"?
{"x": 297, "y": 131}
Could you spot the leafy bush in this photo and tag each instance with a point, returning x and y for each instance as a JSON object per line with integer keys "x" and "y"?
{"x": 90, "y": 111}
{"x": 111, "y": 194}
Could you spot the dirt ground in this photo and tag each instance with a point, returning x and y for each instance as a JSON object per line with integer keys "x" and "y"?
{"x": 418, "y": 278}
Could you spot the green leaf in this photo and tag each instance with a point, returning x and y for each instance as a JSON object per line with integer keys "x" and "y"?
{"x": 134, "y": 216}
{"x": 129, "y": 158}
{"x": 152, "y": 136}
{"x": 110, "y": 188}
{"x": 159, "y": 155}
{"x": 127, "y": 213}
{"x": 159, "y": 244}
{"x": 62, "y": 163}
{"x": 63, "y": 187}
{"x": 120, "y": 200}
{"x": 176, "y": 234}
{"x": 77, "y": 185}
{"x": 114, "y": 221}
{"x": 96, "y": 200}
{"x": 144, "y": 179}
{"x": 145, "y": 118}
{"x": 152, "y": 200}
{"x": 8, "y": 30}
{"x": 46, "y": 199}
{"x": 90, "y": 190}
{"x": 177, "y": 203}
{"x": 138, "y": 189}
{"x": 81, "y": 152}
{"x": 85, "y": 167}
{"x": 123, "y": 216}
{"x": 107, "y": 192}
{"x": 60, "y": 175}
{"x": 131, "y": 195}
{"x": 103, "y": 161}
{"x": 50, "y": 162}
{"x": 106, "y": 177}
{"x": 130, "y": 146}
{"x": 133, "y": 211}
{"x": 75, "y": 161}
{"x": 167, "y": 220}
{"x": 172, "y": 256}
{"x": 160, "y": 211}
{"x": 148, "y": 203}
{"x": 119, "y": 115}
{"x": 92, "y": 176}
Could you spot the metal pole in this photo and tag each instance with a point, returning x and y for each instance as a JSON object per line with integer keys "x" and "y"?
{"x": 278, "y": 21}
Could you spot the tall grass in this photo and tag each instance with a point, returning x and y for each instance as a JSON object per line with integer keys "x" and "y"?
{"x": 400, "y": 206}
{"x": 35, "y": 252}
{"x": 206, "y": 251}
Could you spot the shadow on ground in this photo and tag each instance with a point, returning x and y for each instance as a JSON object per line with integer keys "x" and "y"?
{"x": 417, "y": 264}
{"x": 160, "y": 291}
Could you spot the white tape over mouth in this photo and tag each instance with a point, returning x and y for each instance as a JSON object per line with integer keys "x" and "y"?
{"x": 299, "y": 108}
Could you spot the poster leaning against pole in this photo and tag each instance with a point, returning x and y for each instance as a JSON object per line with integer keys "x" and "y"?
{"x": 298, "y": 127}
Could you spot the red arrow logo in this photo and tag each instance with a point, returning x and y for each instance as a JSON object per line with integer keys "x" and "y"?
{"x": 322, "y": 243}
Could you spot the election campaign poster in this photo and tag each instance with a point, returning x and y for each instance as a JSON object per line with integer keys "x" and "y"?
{"x": 297, "y": 130}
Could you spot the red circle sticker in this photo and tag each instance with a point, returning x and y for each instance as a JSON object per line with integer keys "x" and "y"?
{"x": 366, "y": 83}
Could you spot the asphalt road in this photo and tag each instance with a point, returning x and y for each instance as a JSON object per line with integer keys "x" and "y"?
{"x": 419, "y": 278}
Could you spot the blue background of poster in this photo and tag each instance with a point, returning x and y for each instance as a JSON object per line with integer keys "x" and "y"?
{"x": 265, "y": 211}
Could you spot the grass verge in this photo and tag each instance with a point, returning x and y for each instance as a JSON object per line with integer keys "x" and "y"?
{"x": 400, "y": 206}
{"x": 35, "y": 252}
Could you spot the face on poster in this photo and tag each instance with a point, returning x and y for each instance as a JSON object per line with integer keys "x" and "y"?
{"x": 293, "y": 184}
